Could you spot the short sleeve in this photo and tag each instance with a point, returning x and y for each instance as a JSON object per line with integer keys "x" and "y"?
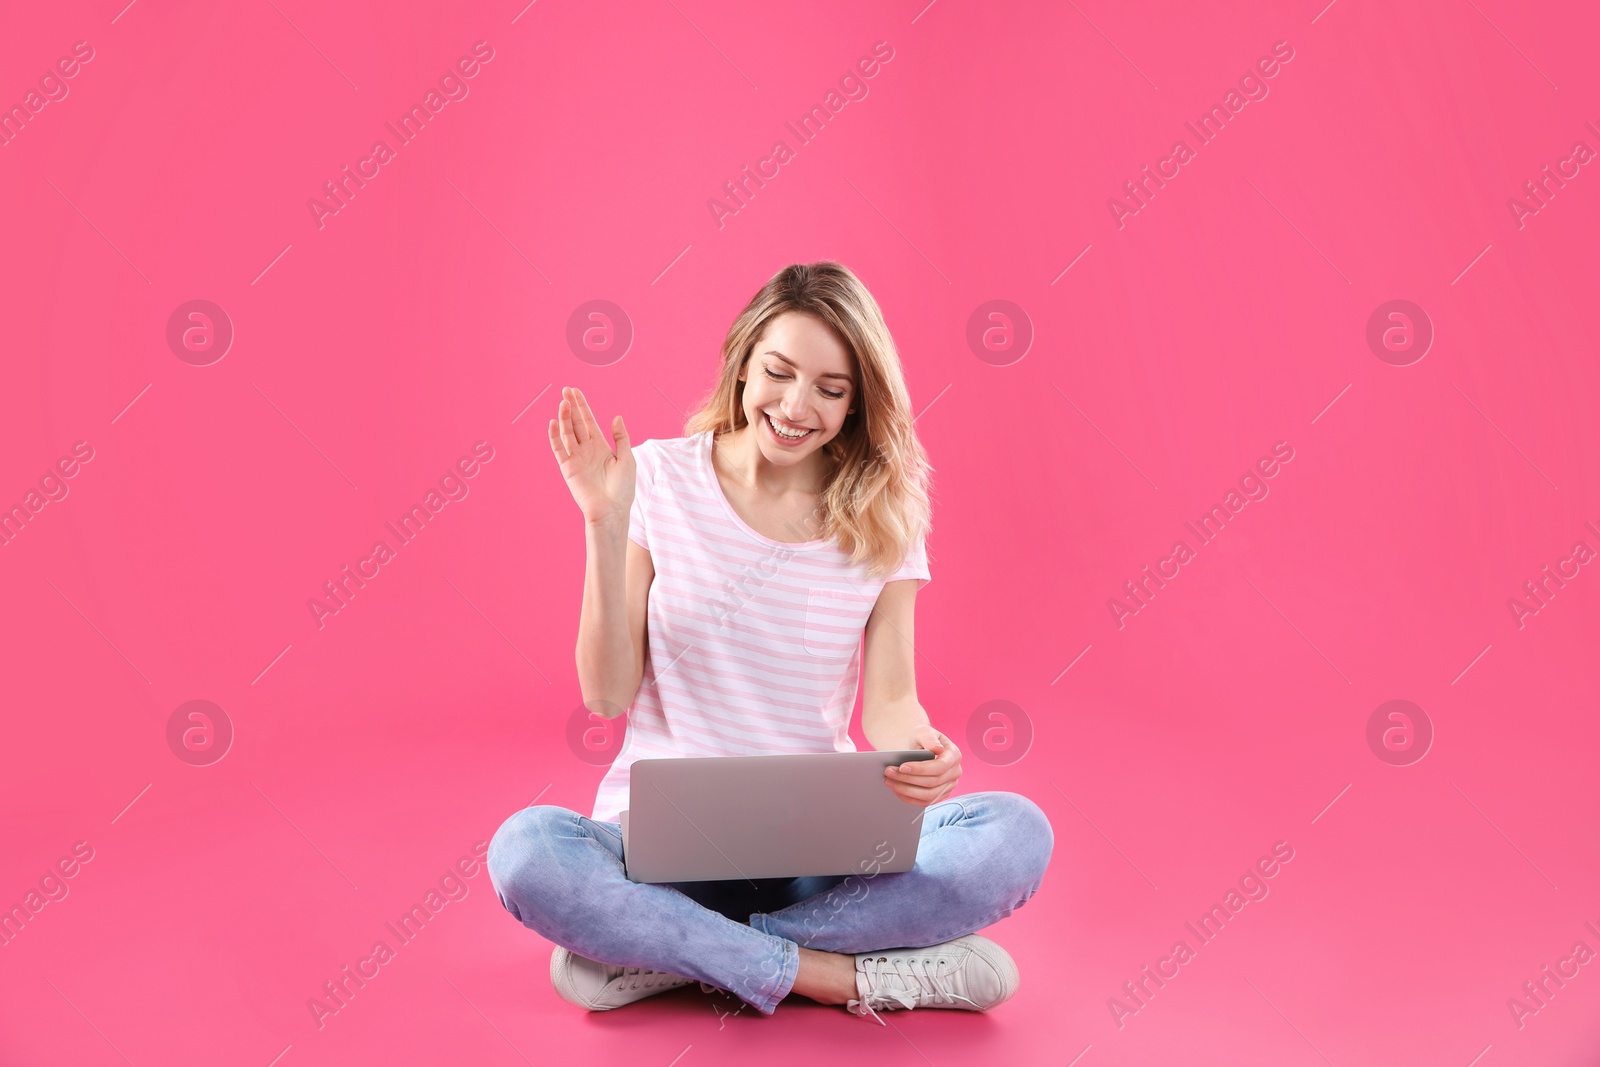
{"x": 644, "y": 485}
{"x": 915, "y": 565}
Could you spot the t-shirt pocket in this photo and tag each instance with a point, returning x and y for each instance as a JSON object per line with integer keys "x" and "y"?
{"x": 835, "y": 620}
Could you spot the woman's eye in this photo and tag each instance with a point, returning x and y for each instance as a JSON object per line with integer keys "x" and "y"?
{"x": 785, "y": 377}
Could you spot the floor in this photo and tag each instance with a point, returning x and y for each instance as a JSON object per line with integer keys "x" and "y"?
{"x": 1323, "y": 783}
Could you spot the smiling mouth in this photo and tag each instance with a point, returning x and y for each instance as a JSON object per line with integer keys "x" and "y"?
{"x": 784, "y": 434}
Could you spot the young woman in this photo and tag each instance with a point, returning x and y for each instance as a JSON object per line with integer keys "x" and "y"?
{"x": 731, "y": 576}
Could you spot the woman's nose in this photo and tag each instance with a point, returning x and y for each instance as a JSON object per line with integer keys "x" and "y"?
{"x": 793, "y": 407}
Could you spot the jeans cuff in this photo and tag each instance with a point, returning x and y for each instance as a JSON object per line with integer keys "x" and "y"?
{"x": 768, "y": 1000}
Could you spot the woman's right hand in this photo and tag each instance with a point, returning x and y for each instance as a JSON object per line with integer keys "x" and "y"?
{"x": 601, "y": 483}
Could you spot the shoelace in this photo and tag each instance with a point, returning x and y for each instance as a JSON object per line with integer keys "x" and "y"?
{"x": 643, "y": 978}
{"x": 908, "y": 984}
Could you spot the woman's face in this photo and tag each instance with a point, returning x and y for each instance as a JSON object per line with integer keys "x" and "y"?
{"x": 799, "y": 379}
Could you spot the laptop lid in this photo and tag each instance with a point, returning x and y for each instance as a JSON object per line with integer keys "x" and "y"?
{"x": 772, "y": 816}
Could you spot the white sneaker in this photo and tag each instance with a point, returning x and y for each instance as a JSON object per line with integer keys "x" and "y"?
{"x": 602, "y": 986}
{"x": 972, "y": 973}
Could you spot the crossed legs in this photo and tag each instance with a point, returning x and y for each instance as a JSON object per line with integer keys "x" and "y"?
{"x": 980, "y": 857}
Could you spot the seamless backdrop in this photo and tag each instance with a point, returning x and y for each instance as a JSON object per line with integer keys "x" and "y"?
{"x": 1253, "y": 345}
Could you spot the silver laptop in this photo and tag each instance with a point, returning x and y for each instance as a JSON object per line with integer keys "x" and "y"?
{"x": 779, "y": 816}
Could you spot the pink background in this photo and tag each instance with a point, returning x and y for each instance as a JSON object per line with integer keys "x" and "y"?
{"x": 1228, "y": 314}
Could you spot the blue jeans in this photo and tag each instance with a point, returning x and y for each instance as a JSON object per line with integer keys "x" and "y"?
{"x": 979, "y": 858}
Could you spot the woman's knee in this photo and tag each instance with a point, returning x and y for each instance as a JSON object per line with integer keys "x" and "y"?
{"x": 1029, "y": 837}
{"x": 519, "y": 852}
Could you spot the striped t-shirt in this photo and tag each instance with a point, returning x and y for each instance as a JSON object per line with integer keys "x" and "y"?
{"x": 754, "y": 645}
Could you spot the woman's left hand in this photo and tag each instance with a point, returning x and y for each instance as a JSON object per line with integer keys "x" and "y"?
{"x": 925, "y": 782}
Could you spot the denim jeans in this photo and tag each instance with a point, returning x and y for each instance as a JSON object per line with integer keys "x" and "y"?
{"x": 980, "y": 856}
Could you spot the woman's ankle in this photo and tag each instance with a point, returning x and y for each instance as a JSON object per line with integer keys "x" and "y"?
{"x": 825, "y": 977}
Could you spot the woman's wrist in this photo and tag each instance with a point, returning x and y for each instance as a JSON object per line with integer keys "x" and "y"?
{"x": 614, "y": 523}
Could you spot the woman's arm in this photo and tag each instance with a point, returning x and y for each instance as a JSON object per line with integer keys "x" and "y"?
{"x": 611, "y": 623}
{"x": 617, "y": 576}
{"x": 891, "y": 715}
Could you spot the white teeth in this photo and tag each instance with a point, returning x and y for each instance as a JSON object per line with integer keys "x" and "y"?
{"x": 785, "y": 433}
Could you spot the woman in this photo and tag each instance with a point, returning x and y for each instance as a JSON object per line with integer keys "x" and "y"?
{"x": 731, "y": 576}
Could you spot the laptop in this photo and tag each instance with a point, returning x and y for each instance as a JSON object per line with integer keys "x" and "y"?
{"x": 711, "y": 818}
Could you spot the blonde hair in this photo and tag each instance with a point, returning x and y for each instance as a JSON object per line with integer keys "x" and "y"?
{"x": 875, "y": 498}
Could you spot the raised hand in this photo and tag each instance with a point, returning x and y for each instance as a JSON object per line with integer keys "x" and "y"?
{"x": 601, "y": 482}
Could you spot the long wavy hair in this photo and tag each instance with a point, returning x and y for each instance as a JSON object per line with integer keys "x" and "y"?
{"x": 875, "y": 501}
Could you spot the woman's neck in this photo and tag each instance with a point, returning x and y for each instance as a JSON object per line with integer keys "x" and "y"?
{"x": 743, "y": 460}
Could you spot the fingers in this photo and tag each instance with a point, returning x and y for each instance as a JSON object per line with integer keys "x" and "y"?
{"x": 577, "y": 425}
{"x": 936, "y": 766}
{"x": 619, "y": 434}
{"x": 924, "y": 782}
{"x": 919, "y": 794}
{"x": 936, "y": 774}
{"x": 569, "y": 438}
{"x": 588, "y": 425}
{"x": 555, "y": 441}
{"x": 925, "y": 794}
